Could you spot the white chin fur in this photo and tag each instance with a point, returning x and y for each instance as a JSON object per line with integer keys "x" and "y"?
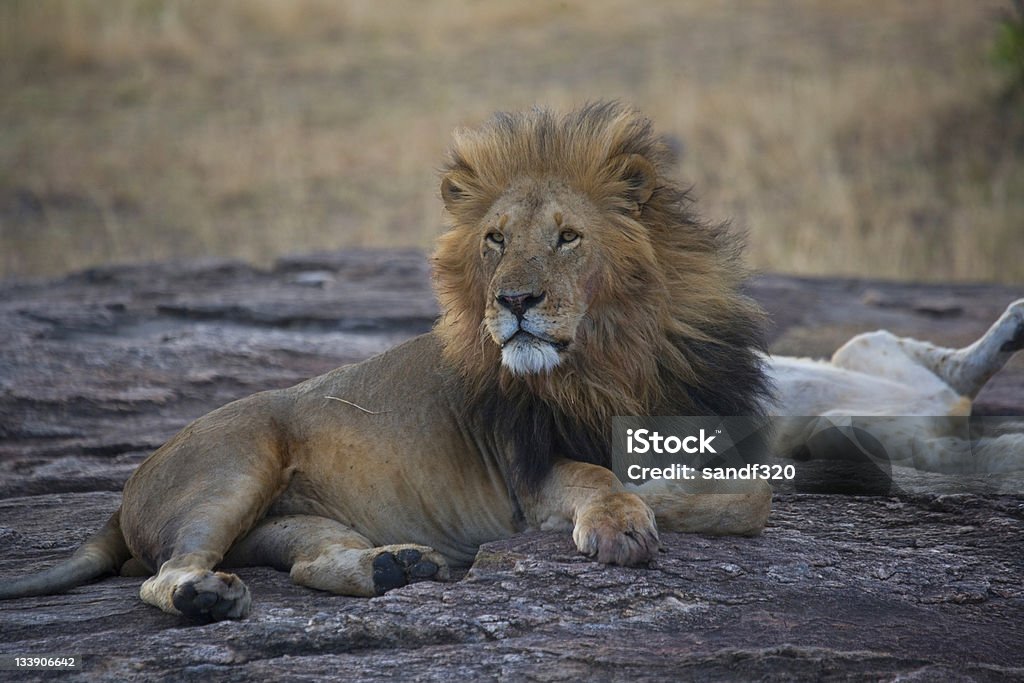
{"x": 524, "y": 357}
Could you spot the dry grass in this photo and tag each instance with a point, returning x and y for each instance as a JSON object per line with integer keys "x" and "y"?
{"x": 847, "y": 137}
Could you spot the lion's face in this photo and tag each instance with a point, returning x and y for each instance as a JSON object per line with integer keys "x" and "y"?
{"x": 541, "y": 253}
{"x": 539, "y": 247}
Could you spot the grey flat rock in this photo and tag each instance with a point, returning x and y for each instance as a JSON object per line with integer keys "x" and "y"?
{"x": 100, "y": 368}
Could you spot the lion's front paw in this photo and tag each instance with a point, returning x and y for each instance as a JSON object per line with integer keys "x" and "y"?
{"x": 619, "y": 529}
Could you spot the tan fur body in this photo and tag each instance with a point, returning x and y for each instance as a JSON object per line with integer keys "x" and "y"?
{"x": 395, "y": 468}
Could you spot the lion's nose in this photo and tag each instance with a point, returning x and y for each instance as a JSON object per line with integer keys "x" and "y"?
{"x": 519, "y": 303}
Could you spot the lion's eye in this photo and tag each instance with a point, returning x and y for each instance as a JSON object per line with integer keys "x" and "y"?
{"x": 495, "y": 238}
{"x": 568, "y": 237}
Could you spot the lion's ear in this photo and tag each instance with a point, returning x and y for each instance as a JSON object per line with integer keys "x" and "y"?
{"x": 451, "y": 193}
{"x": 640, "y": 178}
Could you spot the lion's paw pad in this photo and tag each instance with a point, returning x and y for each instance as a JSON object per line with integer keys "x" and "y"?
{"x": 396, "y": 569}
{"x": 214, "y": 595}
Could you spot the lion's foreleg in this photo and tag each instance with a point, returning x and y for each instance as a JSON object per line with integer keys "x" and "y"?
{"x": 607, "y": 523}
{"x": 325, "y": 554}
{"x": 708, "y": 507}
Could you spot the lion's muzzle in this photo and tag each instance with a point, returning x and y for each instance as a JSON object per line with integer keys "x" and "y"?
{"x": 519, "y": 303}
{"x": 524, "y": 330}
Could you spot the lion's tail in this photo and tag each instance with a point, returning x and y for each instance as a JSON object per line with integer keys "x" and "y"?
{"x": 102, "y": 554}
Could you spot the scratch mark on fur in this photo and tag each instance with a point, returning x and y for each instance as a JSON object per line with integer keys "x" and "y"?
{"x": 355, "y": 405}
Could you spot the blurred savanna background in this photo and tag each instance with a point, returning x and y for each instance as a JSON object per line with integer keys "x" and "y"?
{"x": 847, "y": 137}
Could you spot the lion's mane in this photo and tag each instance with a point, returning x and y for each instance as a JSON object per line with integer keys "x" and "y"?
{"x": 668, "y": 333}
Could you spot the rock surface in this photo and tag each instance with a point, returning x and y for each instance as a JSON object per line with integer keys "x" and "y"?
{"x": 98, "y": 369}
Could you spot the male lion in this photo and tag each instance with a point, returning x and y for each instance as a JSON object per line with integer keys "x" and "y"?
{"x": 575, "y": 285}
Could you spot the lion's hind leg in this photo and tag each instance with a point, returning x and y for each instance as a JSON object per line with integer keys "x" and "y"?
{"x": 194, "y": 544}
{"x": 189, "y": 502}
{"x": 193, "y": 541}
{"x": 325, "y": 554}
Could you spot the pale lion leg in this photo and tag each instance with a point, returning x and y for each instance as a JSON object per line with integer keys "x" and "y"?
{"x": 324, "y": 554}
{"x": 956, "y": 455}
{"x": 974, "y": 365}
{"x": 965, "y": 370}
